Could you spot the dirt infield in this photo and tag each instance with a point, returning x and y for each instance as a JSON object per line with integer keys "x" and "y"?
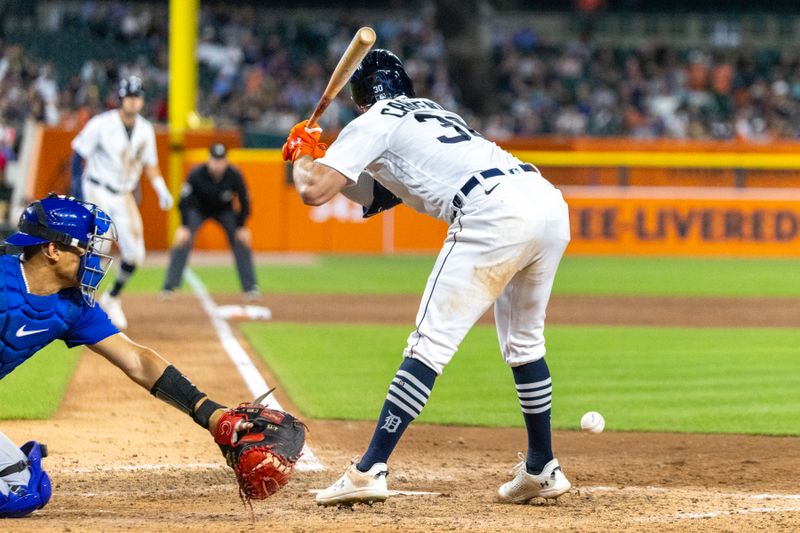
{"x": 122, "y": 461}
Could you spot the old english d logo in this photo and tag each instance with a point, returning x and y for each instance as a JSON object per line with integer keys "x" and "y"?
{"x": 391, "y": 423}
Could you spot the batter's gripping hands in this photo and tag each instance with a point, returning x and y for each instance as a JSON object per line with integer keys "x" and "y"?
{"x": 303, "y": 140}
{"x": 262, "y": 446}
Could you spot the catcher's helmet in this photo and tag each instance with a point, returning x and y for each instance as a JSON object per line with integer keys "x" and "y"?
{"x": 379, "y": 76}
{"x": 130, "y": 86}
{"x": 70, "y": 222}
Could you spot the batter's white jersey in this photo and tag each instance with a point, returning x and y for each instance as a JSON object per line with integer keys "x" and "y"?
{"x": 112, "y": 157}
{"x": 508, "y": 225}
{"x": 416, "y": 149}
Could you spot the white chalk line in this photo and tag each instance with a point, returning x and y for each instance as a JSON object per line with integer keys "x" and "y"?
{"x": 681, "y": 515}
{"x": 717, "y": 514}
{"x": 139, "y": 468}
{"x": 395, "y": 492}
{"x": 250, "y": 374}
{"x": 651, "y": 488}
{"x": 776, "y": 497}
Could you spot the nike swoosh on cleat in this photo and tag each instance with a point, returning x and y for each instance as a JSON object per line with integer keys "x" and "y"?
{"x": 22, "y": 332}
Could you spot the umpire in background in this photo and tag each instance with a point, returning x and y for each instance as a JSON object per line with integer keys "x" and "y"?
{"x": 209, "y": 192}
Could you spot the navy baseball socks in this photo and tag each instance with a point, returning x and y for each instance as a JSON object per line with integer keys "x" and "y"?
{"x": 123, "y": 275}
{"x": 537, "y": 475}
{"x": 407, "y": 396}
{"x": 535, "y": 392}
{"x": 109, "y": 301}
{"x": 365, "y": 482}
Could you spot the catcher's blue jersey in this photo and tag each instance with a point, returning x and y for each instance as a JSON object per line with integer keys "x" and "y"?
{"x": 29, "y": 322}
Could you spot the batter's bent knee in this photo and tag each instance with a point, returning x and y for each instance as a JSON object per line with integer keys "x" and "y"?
{"x": 183, "y": 236}
{"x": 136, "y": 259}
{"x": 519, "y": 360}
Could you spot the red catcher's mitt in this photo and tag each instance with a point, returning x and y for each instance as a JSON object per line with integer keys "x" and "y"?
{"x": 262, "y": 446}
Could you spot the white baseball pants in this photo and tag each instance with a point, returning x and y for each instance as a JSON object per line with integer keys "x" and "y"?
{"x": 504, "y": 249}
{"x": 124, "y": 212}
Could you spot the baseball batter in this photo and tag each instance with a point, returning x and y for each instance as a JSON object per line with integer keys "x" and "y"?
{"x": 508, "y": 228}
{"x": 108, "y": 157}
{"x": 47, "y": 293}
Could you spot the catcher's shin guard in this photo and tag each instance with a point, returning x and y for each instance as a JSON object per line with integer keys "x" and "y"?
{"x": 23, "y": 500}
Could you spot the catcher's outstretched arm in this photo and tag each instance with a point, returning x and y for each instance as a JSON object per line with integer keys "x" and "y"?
{"x": 262, "y": 445}
{"x": 154, "y": 373}
{"x": 141, "y": 364}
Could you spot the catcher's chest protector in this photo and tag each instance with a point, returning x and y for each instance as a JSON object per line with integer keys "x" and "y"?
{"x": 28, "y": 322}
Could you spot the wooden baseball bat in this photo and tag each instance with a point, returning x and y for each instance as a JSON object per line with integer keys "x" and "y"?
{"x": 356, "y": 50}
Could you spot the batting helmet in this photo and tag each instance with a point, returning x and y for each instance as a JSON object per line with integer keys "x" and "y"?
{"x": 130, "y": 86}
{"x": 70, "y": 222}
{"x": 379, "y": 76}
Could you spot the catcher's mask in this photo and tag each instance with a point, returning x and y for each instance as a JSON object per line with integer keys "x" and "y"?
{"x": 75, "y": 223}
{"x": 379, "y": 76}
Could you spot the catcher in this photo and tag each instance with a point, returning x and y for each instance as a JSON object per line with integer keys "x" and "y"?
{"x": 48, "y": 292}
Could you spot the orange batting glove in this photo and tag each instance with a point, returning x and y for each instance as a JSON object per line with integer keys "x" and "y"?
{"x": 303, "y": 140}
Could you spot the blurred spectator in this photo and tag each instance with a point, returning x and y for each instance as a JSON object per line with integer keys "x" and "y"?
{"x": 264, "y": 72}
{"x": 47, "y": 89}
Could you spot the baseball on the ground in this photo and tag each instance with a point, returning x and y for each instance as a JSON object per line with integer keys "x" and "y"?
{"x": 593, "y": 422}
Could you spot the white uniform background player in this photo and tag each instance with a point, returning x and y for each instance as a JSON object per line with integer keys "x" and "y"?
{"x": 116, "y": 146}
{"x": 508, "y": 229}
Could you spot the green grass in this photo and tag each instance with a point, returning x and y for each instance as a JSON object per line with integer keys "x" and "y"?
{"x": 640, "y": 379}
{"x": 735, "y": 381}
{"x": 675, "y": 276}
{"x": 34, "y": 389}
{"x": 654, "y": 276}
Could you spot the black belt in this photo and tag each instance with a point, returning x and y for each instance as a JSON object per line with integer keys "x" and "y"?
{"x": 109, "y": 188}
{"x": 473, "y": 181}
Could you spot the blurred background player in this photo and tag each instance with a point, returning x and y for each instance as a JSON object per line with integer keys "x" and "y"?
{"x": 108, "y": 156}
{"x": 47, "y": 293}
{"x": 212, "y": 190}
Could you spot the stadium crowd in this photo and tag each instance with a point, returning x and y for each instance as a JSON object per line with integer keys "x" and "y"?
{"x": 264, "y": 73}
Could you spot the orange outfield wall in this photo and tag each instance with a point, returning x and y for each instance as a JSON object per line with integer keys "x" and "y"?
{"x": 685, "y": 220}
{"x": 604, "y": 220}
{"x": 280, "y": 221}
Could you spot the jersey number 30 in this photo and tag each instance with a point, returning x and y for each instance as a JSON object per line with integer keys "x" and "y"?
{"x": 465, "y": 133}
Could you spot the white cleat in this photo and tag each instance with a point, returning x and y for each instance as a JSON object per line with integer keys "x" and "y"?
{"x": 357, "y": 487}
{"x": 253, "y": 295}
{"x": 113, "y": 309}
{"x": 551, "y": 483}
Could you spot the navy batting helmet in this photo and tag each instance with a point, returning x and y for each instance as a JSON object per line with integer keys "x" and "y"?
{"x": 70, "y": 222}
{"x": 130, "y": 86}
{"x": 379, "y": 76}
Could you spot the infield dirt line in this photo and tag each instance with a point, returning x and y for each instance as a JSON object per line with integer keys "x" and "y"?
{"x": 741, "y": 500}
{"x": 650, "y": 488}
{"x": 138, "y": 468}
{"x": 716, "y": 514}
{"x": 244, "y": 365}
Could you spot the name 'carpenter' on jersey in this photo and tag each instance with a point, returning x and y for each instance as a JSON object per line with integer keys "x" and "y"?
{"x": 397, "y": 108}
